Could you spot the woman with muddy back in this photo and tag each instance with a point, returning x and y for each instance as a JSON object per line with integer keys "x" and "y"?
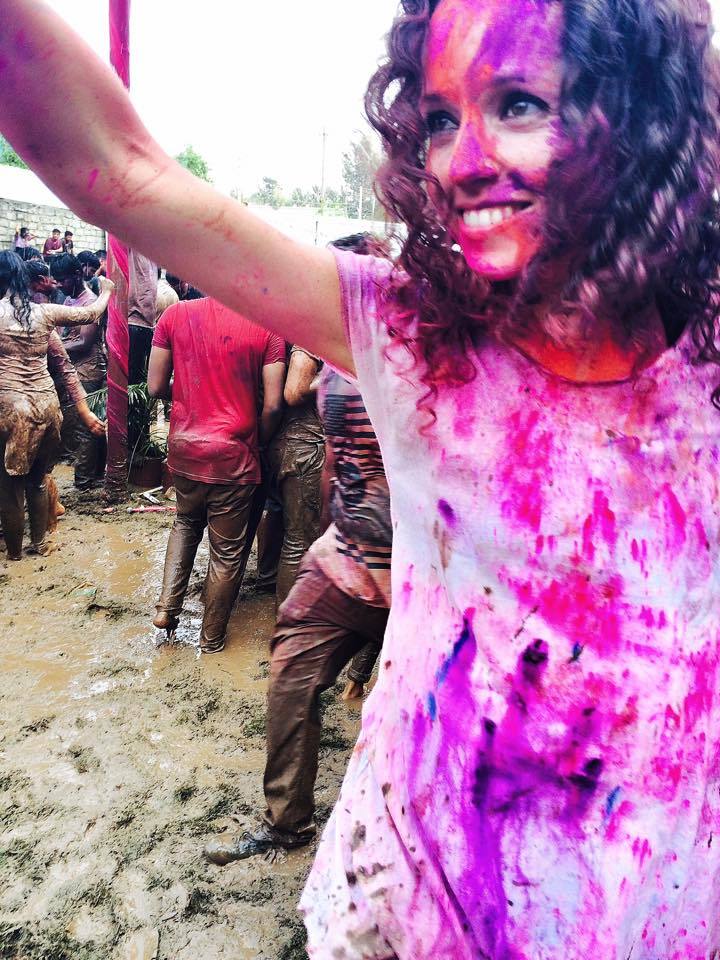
{"x": 537, "y": 775}
{"x": 30, "y": 415}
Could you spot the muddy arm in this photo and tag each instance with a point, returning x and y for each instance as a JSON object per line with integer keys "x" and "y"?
{"x": 93, "y": 151}
{"x": 63, "y": 316}
{"x": 61, "y": 369}
{"x": 300, "y": 384}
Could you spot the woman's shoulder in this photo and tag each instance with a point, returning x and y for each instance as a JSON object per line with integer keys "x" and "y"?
{"x": 365, "y": 285}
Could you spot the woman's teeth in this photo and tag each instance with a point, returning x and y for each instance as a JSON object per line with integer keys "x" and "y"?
{"x": 488, "y": 216}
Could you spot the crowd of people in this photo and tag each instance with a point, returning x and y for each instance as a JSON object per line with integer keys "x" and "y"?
{"x": 537, "y": 774}
{"x": 275, "y": 445}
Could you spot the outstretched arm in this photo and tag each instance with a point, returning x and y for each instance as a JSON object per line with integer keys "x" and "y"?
{"x": 63, "y": 316}
{"x": 94, "y": 152}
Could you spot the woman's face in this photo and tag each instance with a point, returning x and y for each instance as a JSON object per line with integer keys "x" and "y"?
{"x": 492, "y": 83}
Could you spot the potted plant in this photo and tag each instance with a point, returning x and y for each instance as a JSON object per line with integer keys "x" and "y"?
{"x": 147, "y": 445}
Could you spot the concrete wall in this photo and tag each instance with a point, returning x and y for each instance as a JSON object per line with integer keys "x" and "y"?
{"x": 42, "y": 220}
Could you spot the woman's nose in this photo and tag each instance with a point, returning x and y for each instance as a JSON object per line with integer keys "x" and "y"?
{"x": 473, "y": 156}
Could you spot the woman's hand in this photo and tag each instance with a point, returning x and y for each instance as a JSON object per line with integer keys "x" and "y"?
{"x": 94, "y": 424}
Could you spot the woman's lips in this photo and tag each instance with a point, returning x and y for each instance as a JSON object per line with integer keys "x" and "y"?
{"x": 489, "y": 216}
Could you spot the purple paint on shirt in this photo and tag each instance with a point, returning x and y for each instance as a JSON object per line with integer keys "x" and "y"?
{"x": 447, "y": 513}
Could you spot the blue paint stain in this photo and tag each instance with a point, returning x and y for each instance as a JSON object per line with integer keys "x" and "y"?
{"x": 441, "y": 676}
{"x": 447, "y": 512}
{"x": 612, "y": 800}
{"x": 467, "y": 634}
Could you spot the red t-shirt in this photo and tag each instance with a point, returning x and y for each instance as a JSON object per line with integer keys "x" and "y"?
{"x": 218, "y": 357}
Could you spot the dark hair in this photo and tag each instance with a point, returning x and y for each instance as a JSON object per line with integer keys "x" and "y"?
{"x": 65, "y": 266}
{"x": 24, "y": 231}
{"x": 631, "y": 198}
{"x": 365, "y": 244}
{"x": 56, "y": 230}
{"x": 36, "y": 269}
{"x": 30, "y": 253}
{"x": 13, "y": 283}
{"x": 88, "y": 258}
{"x": 69, "y": 233}
{"x": 102, "y": 254}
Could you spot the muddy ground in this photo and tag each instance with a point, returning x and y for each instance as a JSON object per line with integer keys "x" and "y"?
{"x": 119, "y": 756}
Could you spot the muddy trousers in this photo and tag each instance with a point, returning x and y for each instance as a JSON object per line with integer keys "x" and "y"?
{"x": 90, "y": 452}
{"x": 225, "y": 510}
{"x": 297, "y": 464}
{"x": 319, "y": 630}
{"x": 33, "y": 486}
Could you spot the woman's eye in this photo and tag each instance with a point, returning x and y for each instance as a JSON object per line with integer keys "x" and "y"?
{"x": 440, "y": 121}
{"x": 523, "y": 106}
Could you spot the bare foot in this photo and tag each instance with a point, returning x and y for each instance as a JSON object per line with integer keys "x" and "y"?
{"x": 43, "y": 549}
{"x": 353, "y": 691}
{"x": 165, "y": 621}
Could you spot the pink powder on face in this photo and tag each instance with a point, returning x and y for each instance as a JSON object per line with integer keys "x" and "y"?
{"x": 92, "y": 178}
{"x": 485, "y": 159}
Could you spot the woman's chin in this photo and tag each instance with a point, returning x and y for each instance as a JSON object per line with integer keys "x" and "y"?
{"x": 498, "y": 262}
{"x": 494, "y": 271}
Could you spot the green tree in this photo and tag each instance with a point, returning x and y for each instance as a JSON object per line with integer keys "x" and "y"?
{"x": 269, "y": 195}
{"x": 298, "y": 198}
{"x": 360, "y": 164}
{"x": 8, "y": 157}
{"x": 192, "y": 161}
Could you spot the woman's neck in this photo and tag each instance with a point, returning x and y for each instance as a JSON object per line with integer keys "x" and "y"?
{"x": 601, "y": 359}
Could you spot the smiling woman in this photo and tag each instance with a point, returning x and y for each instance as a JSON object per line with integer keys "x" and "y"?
{"x": 537, "y": 776}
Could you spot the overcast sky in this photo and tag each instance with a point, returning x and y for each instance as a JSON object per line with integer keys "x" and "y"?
{"x": 250, "y": 84}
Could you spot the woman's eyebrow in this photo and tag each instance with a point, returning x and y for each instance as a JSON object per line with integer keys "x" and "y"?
{"x": 433, "y": 100}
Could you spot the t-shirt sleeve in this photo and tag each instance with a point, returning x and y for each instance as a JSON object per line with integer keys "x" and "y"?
{"x": 163, "y": 330}
{"x": 362, "y": 281}
{"x": 274, "y": 350}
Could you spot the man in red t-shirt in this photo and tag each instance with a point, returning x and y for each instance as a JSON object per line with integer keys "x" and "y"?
{"x": 220, "y": 362}
{"x": 53, "y": 246}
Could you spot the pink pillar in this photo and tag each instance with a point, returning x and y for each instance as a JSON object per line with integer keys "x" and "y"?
{"x": 117, "y": 330}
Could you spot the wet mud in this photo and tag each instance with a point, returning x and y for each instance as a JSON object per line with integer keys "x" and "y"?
{"x": 119, "y": 756}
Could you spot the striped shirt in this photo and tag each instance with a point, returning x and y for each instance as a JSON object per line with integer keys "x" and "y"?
{"x": 355, "y": 550}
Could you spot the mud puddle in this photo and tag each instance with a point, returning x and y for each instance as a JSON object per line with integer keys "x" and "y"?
{"x": 119, "y": 754}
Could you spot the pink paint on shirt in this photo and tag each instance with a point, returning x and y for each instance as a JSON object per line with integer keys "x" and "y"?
{"x": 537, "y": 775}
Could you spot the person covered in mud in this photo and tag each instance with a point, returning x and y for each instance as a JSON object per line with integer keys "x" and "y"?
{"x": 295, "y": 460}
{"x": 29, "y": 410}
{"x": 86, "y": 349}
{"x": 537, "y": 774}
{"x": 65, "y": 377}
{"x": 219, "y": 364}
{"x": 336, "y": 611}
{"x": 69, "y": 389}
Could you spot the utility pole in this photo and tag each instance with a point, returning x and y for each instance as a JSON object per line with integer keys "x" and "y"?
{"x": 322, "y": 186}
{"x": 322, "y": 176}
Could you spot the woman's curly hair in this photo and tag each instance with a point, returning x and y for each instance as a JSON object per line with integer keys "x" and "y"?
{"x": 631, "y": 196}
